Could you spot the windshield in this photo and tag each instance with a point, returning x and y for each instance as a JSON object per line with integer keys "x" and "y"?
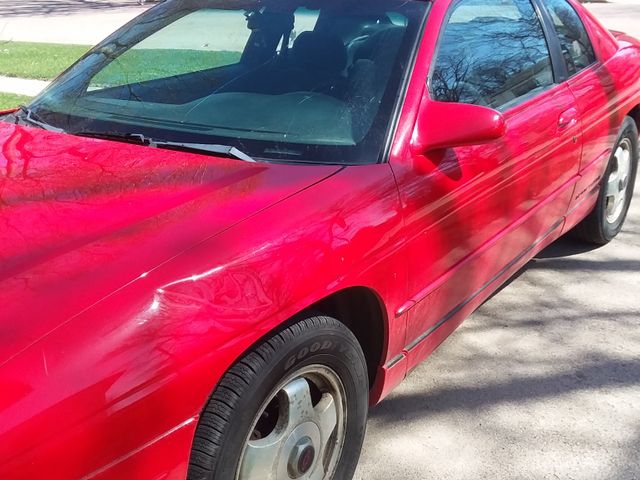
{"x": 291, "y": 80}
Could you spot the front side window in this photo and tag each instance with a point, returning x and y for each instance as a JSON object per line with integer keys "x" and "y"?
{"x": 575, "y": 43}
{"x": 287, "y": 80}
{"x": 491, "y": 53}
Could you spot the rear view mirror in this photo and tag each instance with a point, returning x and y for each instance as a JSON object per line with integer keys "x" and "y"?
{"x": 443, "y": 125}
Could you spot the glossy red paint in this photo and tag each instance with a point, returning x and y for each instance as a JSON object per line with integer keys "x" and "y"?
{"x": 132, "y": 278}
{"x": 437, "y": 127}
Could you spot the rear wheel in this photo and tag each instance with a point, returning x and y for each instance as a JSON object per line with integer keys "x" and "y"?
{"x": 295, "y": 407}
{"x": 616, "y": 190}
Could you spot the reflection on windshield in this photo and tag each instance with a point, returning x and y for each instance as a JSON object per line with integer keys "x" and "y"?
{"x": 277, "y": 81}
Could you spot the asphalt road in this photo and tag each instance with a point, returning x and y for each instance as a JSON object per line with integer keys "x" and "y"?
{"x": 623, "y": 15}
{"x": 542, "y": 382}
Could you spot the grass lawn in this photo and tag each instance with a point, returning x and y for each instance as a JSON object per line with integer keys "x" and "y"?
{"x": 42, "y": 61}
{"x": 9, "y": 100}
{"x": 140, "y": 65}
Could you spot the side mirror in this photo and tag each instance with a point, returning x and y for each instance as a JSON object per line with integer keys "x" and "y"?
{"x": 443, "y": 125}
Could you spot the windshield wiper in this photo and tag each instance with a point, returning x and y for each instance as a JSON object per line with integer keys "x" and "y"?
{"x": 33, "y": 118}
{"x": 226, "y": 150}
{"x": 121, "y": 137}
{"x": 138, "y": 138}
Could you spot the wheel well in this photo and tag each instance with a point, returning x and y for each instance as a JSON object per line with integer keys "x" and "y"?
{"x": 361, "y": 311}
{"x": 635, "y": 114}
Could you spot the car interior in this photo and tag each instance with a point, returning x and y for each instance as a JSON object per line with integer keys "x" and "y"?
{"x": 326, "y": 84}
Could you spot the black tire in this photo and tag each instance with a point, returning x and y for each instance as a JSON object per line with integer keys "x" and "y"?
{"x": 229, "y": 417}
{"x": 595, "y": 228}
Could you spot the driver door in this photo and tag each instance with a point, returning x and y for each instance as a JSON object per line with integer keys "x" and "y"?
{"x": 474, "y": 214}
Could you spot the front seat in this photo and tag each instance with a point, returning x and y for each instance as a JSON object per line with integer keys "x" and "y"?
{"x": 315, "y": 63}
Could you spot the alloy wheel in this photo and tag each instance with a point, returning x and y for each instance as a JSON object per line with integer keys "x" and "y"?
{"x": 617, "y": 185}
{"x": 299, "y": 432}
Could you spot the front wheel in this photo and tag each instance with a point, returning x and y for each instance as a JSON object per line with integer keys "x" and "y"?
{"x": 616, "y": 190}
{"x": 295, "y": 407}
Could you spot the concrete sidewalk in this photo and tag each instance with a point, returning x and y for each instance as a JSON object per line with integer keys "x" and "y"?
{"x": 83, "y": 22}
{"x": 33, "y": 8}
{"x": 21, "y": 86}
{"x": 64, "y": 21}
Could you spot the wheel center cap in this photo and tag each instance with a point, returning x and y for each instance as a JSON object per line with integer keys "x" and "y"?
{"x": 302, "y": 457}
{"x": 306, "y": 459}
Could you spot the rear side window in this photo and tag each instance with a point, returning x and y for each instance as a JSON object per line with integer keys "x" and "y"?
{"x": 575, "y": 43}
{"x": 491, "y": 53}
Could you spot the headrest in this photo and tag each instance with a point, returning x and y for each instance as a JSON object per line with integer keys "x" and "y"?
{"x": 319, "y": 51}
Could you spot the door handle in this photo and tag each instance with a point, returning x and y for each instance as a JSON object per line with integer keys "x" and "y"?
{"x": 568, "y": 119}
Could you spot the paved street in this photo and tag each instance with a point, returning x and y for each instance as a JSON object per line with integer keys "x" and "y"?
{"x": 543, "y": 382}
{"x": 623, "y": 15}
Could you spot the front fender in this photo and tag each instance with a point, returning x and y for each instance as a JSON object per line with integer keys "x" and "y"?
{"x": 144, "y": 361}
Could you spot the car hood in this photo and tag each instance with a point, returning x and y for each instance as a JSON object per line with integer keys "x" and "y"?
{"x": 81, "y": 218}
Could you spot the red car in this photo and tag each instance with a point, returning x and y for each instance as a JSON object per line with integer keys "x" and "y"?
{"x": 233, "y": 226}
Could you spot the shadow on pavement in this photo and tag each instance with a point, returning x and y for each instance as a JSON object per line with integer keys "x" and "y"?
{"x": 603, "y": 374}
{"x": 566, "y": 247}
{"x": 541, "y": 382}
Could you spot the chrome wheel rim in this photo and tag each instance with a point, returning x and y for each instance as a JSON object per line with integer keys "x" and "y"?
{"x": 299, "y": 430}
{"x": 618, "y": 182}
